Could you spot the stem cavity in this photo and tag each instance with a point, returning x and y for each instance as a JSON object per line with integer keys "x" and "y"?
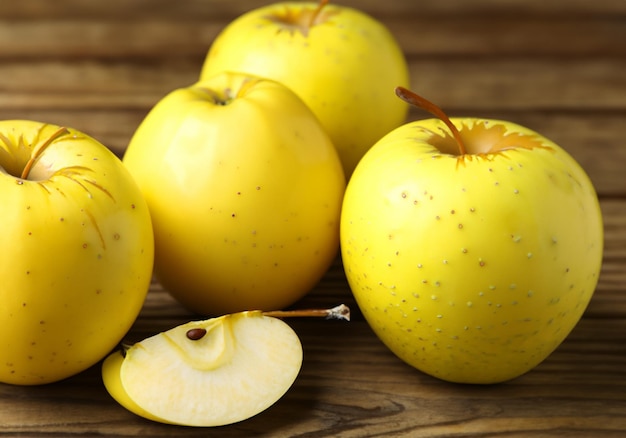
{"x": 420, "y": 102}
{"x": 37, "y": 154}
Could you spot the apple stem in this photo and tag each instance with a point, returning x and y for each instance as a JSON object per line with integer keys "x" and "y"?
{"x": 316, "y": 14}
{"x": 31, "y": 162}
{"x": 339, "y": 312}
{"x": 416, "y": 100}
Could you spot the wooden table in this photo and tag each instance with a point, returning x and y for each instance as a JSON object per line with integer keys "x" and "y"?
{"x": 558, "y": 67}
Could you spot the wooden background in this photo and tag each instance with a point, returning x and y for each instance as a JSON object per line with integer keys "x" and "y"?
{"x": 558, "y": 67}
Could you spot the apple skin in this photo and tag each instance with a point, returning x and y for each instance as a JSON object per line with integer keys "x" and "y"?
{"x": 471, "y": 268}
{"x": 76, "y": 252}
{"x": 245, "y": 195}
{"x": 342, "y": 67}
{"x": 112, "y": 380}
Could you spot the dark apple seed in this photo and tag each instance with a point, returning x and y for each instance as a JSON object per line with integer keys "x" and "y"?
{"x": 196, "y": 333}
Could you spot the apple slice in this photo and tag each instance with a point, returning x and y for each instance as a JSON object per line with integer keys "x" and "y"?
{"x": 212, "y": 372}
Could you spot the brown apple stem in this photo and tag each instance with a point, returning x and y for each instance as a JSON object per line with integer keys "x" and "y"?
{"x": 316, "y": 14}
{"x": 33, "y": 159}
{"x": 416, "y": 100}
{"x": 339, "y": 312}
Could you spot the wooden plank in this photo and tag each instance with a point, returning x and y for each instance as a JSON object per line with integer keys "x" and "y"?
{"x": 189, "y": 9}
{"x": 512, "y": 35}
{"x": 593, "y": 139}
{"x": 488, "y": 83}
{"x": 92, "y": 85}
{"x": 421, "y": 36}
{"x": 578, "y": 104}
{"x": 522, "y": 84}
{"x": 609, "y": 299}
{"x": 87, "y": 39}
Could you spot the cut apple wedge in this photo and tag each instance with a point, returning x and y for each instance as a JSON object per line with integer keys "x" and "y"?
{"x": 207, "y": 373}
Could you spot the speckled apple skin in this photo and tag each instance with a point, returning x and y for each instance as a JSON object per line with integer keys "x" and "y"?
{"x": 76, "y": 252}
{"x": 471, "y": 268}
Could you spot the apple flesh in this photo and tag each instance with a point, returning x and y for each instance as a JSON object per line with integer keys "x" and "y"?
{"x": 244, "y": 188}
{"x": 76, "y": 252}
{"x": 207, "y": 373}
{"x": 472, "y": 267}
{"x": 341, "y": 62}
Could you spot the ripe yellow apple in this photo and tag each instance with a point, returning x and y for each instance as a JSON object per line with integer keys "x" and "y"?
{"x": 207, "y": 373}
{"x": 342, "y": 62}
{"x": 76, "y": 252}
{"x": 471, "y": 259}
{"x": 245, "y": 190}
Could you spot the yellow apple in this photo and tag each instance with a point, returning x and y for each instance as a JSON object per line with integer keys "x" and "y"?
{"x": 76, "y": 252}
{"x": 245, "y": 190}
{"x": 472, "y": 246}
{"x": 207, "y": 373}
{"x": 342, "y": 62}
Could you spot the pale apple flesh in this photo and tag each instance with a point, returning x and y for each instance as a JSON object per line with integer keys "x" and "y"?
{"x": 112, "y": 380}
{"x": 472, "y": 267}
{"x": 207, "y": 373}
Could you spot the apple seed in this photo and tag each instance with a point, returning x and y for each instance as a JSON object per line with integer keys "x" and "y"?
{"x": 196, "y": 334}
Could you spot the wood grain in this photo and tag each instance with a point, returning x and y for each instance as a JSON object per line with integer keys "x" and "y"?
{"x": 556, "y": 67}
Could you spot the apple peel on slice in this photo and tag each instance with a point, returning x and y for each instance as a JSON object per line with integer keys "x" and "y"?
{"x": 207, "y": 373}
